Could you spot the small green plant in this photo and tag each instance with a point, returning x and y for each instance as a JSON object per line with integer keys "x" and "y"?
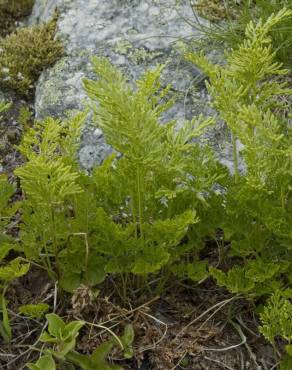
{"x": 25, "y": 53}
{"x": 276, "y": 322}
{"x": 43, "y": 363}
{"x": 12, "y": 11}
{"x": 258, "y": 220}
{"x": 63, "y": 338}
{"x": 24, "y": 117}
{"x": 35, "y": 311}
{"x": 166, "y": 187}
{"x": 49, "y": 181}
{"x": 8, "y": 270}
{"x": 130, "y": 215}
{"x": 236, "y": 16}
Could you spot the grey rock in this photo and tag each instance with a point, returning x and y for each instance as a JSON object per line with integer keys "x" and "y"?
{"x": 135, "y": 35}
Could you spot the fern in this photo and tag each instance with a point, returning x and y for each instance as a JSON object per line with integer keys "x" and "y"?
{"x": 276, "y": 323}
{"x": 247, "y": 93}
{"x": 8, "y": 270}
{"x": 165, "y": 175}
{"x": 129, "y": 215}
{"x": 48, "y": 179}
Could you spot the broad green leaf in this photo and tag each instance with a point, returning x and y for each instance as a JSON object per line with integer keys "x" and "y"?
{"x": 47, "y": 338}
{"x": 95, "y": 273}
{"x": 101, "y": 352}
{"x": 13, "y": 270}
{"x": 43, "y": 363}
{"x": 65, "y": 348}
{"x": 127, "y": 339}
{"x": 71, "y": 330}
{"x": 34, "y": 310}
{"x": 56, "y": 325}
{"x": 70, "y": 282}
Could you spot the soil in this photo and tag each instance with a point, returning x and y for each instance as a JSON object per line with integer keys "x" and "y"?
{"x": 187, "y": 328}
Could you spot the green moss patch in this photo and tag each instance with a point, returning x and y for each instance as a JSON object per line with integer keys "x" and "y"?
{"x": 25, "y": 53}
{"x": 216, "y": 10}
{"x": 12, "y": 11}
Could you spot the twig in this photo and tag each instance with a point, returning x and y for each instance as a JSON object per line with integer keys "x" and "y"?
{"x": 31, "y": 348}
{"x": 160, "y": 339}
{"x": 180, "y": 360}
{"x": 275, "y": 366}
{"x": 108, "y": 330}
{"x": 219, "y": 304}
{"x": 130, "y": 312}
{"x": 225, "y": 348}
{"x": 55, "y": 297}
{"x": 243, "y": 337}
{"x": 219, "y": 363}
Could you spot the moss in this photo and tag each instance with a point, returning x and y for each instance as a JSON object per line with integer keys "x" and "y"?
{"x": 141, "y": 55}
{"x": 12, "y": 11}
{"x": 216, "y": 10}
{"x": 122, "y": 47}
{"x": 25, "y": 53}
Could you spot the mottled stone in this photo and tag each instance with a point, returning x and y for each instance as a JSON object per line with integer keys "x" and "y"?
{"x": 135, "y": 35}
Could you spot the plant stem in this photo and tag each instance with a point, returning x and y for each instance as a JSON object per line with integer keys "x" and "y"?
{"x": 140, "y": 203}
{"x": 235, "y": 158}
{"x": 133, "y": 210}
{"x": 55, "y": 244}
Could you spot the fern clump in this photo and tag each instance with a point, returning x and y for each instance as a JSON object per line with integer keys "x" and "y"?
{"x": 48, "y": 180}
{"x": 230, "y": 19}
{"x": 6, "y": 191}
{"x": 258, "y": 218}
{"x": 8, "y": 270}
{"x": 131, "y": 216}
{"x": 276, "y": 323}
{"x": 25, "y": 53}
{"x": 167, "y": 179}
{"x": 12, "y": 11}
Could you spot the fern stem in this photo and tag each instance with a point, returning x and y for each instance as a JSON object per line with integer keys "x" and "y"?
{"x": 140, "y": 202}
{"x": 47, "y": 260}
{"x": 55, "y": 244}
{"x": 124, "y": 278}
{"x": 133, "y": 210}
{"x": 283, "y": 200}
{"x": 235, "y": 158}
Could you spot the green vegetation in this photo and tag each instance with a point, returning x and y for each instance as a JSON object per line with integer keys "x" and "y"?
{"x": 135, "y": 228}
{"x": 262, "y": 196}
{"x": 11, "y": 270}
{"x": 34, "y": 310}
{"x": 149, "y": 213}
{"x": 276, "y": 322}
{"x": 232, "y": 17}
{"x": 25, "y": 53}
{"x": 12, "y": 11}
{"x": 63, "y": 338}
{"x": 217, "y": 10}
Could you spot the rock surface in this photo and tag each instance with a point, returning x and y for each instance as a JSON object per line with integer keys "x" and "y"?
{"x": 135, "y": 35}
